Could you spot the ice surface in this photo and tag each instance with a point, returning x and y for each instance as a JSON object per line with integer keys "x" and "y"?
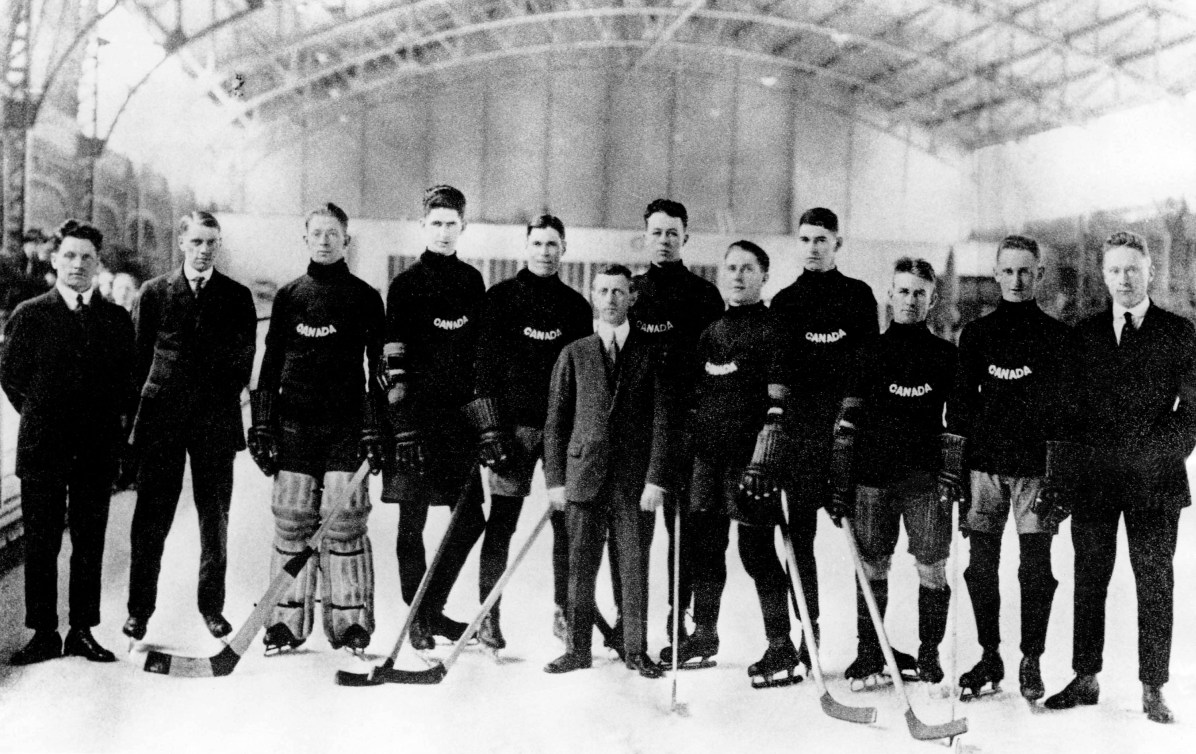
{"x": 289, "y": 703}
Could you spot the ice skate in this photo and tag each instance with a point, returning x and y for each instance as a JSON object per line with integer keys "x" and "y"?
{"x": 780, "y": 666}
{"x": 868, "y": 670}
{"x": 987, "y": 673}
{"x": 696, "y": 649}
{"x": 134, "y": 628}
{"x": 355, "y": 639}
{"x": 279, "y": 638}
{"x": 1029, "y": 677}
{"x": 490, "y": 634}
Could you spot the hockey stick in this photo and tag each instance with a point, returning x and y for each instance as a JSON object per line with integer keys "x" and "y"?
{"x": 346, "y": 678}
{"x": 917, "y": 728}
{"x": 830, "y": 705}
{"x": 225, "y": 661}
{"x": 681, "y": 709}
{"x": 437, "y": 672}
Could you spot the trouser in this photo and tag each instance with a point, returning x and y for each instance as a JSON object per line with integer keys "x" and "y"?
{"x": 44, "y": 504}
{"x": 675, "y": 504}
{"x": 159, "y": 484}
{"x": 806, "y": 493}
{"x": 1152, "y": 537}
{"x": 632, "y": 531}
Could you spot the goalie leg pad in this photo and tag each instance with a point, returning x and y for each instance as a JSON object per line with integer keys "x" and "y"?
{"x": 293, "y": 504}
{"x": 347, "y": 560}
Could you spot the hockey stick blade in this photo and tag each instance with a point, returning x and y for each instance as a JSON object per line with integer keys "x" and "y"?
{"x": 345, "y": 678}
{"x": 225, "y": 661}
{"x": 832, "y": 707}
{"x": 924, "y": 732}
{"x": 432, "y": 675}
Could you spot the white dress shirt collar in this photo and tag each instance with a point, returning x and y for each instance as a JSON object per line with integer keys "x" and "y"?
{"x": 1138, "y": 313}
{"x": 191, "y": 275}
{"x": 71, "y": 296}
{"x": 606, "y": 331}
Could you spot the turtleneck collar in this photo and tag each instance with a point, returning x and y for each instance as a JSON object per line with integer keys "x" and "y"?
{"x": 434, "y": 260}
{"x": 527, "y": 277}
{"x": 1018, "y": 308}
{"x": 745, "y": 310}
{"x": 816, "y": 277}
{"x": 666, "y": 269}
{"x": 339, "y": 268}
{"x": 915, "y": 330}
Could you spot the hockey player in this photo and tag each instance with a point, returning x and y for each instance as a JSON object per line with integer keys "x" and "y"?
{"x": 671, "y": 308}
{"x": 885, "y": 463}
{"x": 315, "y": 414}
{"x": 730, "y": 402}
{"x": 431, "y": 341}
{"x": 525, "y": 322}
{"x": 1004, "y": 409}
{"x": 821, "y": 320}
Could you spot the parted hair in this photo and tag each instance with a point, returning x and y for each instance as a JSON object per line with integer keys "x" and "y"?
{"x": 547, "y": 221}
{"x": 614, "y": 269}
{"x": 670, "y": 208}
{"x": 1127, "y": 238}
{"x": 444, "y": 196}
{"x": 1019, "y": 243}
{"x": 744, "y": 245}
{"x": 820, "y": 216}
{"x": 328, "y": 209}
{"x": 919, "y": 267}
{"x": 78, "y": 229}
{"x": 200, "y": 218}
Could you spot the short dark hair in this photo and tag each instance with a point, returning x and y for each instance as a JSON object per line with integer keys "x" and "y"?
{"x": 547, "y": 221}
{"x": 34, "y": 235}
{"x": 919, "y": 267}
{"x": 760, "y": 254}
{"x": 820, "y": 216}
{"x": 1127, "y": 238}
{"x": 1019, "y": 243}
{"x": 78, "y": 229}
{"x": 202, "y": 219}
{"x": 670, "y": 208}
{"x": 444, "y": 196}
{"x": 614, "y": 269}
{"x": 328, "y": 209}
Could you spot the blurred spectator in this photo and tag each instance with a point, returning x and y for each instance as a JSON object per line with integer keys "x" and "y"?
{"x": 25, "y": 276}
{"x": 123, "y": 290}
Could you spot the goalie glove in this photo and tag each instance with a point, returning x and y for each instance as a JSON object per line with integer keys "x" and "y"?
{"x": 1066, "y": 464}
{"x": 263, "y": 433}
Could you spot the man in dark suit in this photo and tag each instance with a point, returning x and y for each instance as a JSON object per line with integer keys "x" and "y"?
{"x": 1135, "y": 389}
{"x": 67, "y": 369}
{"x": 195, "y": 330}
{"x": 605, "y": 442}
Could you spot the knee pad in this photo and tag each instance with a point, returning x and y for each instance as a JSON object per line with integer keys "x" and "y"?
{"x": 875, "y": 569}
{"x": 932, "y": 575}
{"x": 293, "y": 503}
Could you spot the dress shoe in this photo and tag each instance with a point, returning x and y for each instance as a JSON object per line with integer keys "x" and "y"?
{"x": 560, "y": 626}
{"x": 1083, "y": 689}
{"x": 80, "y": 643}
{"x": 1153, "y": 705}
{"x": 134, "y": 627}
{"x": 45, "y": 645}
{"x": 217, "y": 625}
{"x": 642, "y": 663}
{"x": 568, "y": 662}
{"x": 615, "y": 640}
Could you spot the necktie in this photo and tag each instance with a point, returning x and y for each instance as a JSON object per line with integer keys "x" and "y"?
{"x": 198, "y": 287}
{"x": 81, "y": 305}
{"x": 1128, "y": 333}
{"x": 613, "y": 352}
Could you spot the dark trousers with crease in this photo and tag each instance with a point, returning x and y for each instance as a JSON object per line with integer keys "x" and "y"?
{"x": 632, "y": 531}
{"x": 1151, "y": 536}
{"x": 44, "y": 506}
{"x": 159, "y": 484}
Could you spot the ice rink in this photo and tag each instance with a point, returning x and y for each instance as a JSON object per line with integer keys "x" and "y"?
{"x": 290, "y": 704}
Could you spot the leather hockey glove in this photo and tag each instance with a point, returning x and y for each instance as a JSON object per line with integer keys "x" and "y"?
{"x": 373, "y": 443}
{"x": 409, "y": 452}
{"x": 263, "y": 432}
{"x": 842, "y": 482}
{"x": 760, "y": 488}
{"x": 496, "y": 443}
{"x": 1066, "y": 465}
{"x": 953, "y": 488}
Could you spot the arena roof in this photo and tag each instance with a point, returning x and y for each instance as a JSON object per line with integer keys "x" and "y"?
{"x": 973, "y": 72}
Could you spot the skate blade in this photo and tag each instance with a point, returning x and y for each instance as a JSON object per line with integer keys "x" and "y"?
{"x": 694, "y": 664}
{"x": 967, "y": 694}
{"x": 873, "y": 682}
{"x": 785, "y": 678}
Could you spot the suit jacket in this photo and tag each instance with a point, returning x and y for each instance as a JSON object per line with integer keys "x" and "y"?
{"x": 606, "y": 429}
{"x": 193, "y": 358}
{"x": 1137, "y": 407}
{"x": 70, "y": 377}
